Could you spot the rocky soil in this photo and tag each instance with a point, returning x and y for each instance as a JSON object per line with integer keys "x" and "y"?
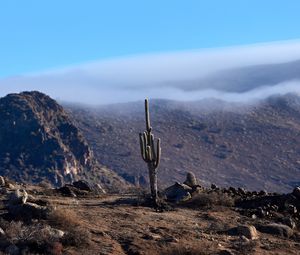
{"x": 35, "y": 220}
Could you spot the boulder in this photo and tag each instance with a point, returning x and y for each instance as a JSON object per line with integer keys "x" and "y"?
{"x": 296, "y": 192}
{"x": 213, "y": 186}
{"x": 82, "y": 185}
{"x": 11, "y": 186}
{"x": 225, "y": 252}
{"x": 276, "y": 229}
{"x": 289, "y": 222}
{"x": 28, "y": 211}
{"x": 19, "y": 196}
{"x": 2, "y": 181}
{"x": 67, "y": 191}
{"x": 53, "y": 233}
{"x": 98, "y": 189}
{"x": 178, "y": 192}
{"x": 247, "y": 231}
{"x": 12, "y": 250}
{"x": 2, "y": 233}
{"x": 190, "y": 180}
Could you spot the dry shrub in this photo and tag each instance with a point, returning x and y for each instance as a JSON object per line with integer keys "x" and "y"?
{"x": 199, "y": 248}
{"x": 208, "y": 200}
{"x": 34, "y": 238}
{"x": 68, "y": 220}
{"x": 246, "y": 248}
{"x": 77, "y": 236}
{"x": 64, "y": 219}
{"x": 15, "y": 231}
{"x": 55, "y": 248}
{"x": 45, "y": 185}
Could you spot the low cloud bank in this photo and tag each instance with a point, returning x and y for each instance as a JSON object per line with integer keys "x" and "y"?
{"x": 237, "y": 74}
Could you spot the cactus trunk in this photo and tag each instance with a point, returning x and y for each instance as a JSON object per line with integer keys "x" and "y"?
{"x": 150, "y": 153}
{"x": 153, "y": 183}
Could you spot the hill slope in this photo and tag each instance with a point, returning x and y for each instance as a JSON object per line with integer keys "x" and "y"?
{"x": 39, "y": 141}
{"x": 256, "y": 147}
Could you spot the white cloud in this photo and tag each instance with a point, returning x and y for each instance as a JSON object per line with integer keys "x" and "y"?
{"x": 167, "y": 75}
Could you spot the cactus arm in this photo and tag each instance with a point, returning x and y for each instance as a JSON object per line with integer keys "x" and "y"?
{"x": 145, "y": 139}
{"x": 152, "y": 146}
{"x": 149, "y": 154}
{"x": 147, "y": 116}
{"x": 143, "y": 146}
{"x": 158, "y": 153}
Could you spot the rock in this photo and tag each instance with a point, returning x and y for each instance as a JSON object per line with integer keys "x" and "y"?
{"x": 152, "y": 236}
{"x": 28, "y": 211}
{"x": 12, "y": 250}
{"x": 225, "y": 252}
{"x": 53, "y": 232}
{"x": 292, "y": 209}
{"x": 171, "y": 239}
{"x": 82, "y": 185}
{"x": 178, "y": 192}
{"x": 190, "y": 179}
{"x": 213, "y": 186}
{"x": 247, "y": 231}
{"x": 2, "y": 233}
{"x": 276, "y": 229}
{"x": 97, "y": 188}
{"x": 241, "y": 191}
{"x": 263, "y": 193}
{"x": 67, "y": 191}
{"x": 296, "y": 192}
{"x": 253, "y": 216}
{"x": 289, "y": 222}
{"x": 244, "y": 239}
{"x": 232, "y": 190}
{"x": 261, "y": 212}
{"x": 11, "y": 186}
{"x": 2, "y": 181}
{"x": 17, "y": 197}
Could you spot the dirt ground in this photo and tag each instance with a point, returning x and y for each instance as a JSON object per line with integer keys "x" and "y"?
{"x": 118, "y": 225}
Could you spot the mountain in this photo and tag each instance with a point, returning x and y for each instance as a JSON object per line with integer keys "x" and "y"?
{"x": 229, "y": 144}
{"x": 39, "y": 142}
{"x": 243, "y": 79}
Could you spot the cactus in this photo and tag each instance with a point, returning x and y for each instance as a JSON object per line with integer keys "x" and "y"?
{"x": 150, "y": 154}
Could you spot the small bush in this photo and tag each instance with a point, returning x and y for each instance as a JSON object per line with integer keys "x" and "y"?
{"x": 208, "y": 200}
{"x": 77, "y": 236}
{"x": 55, "y": 248}
{"x": 246, "y": 248}
{"x": 33, "y": 238}
{"x": 68, "y": 220}
{"x": 64, "y": 219}
{"x": 201, "y": 248}
{"x": 45, "y": 185}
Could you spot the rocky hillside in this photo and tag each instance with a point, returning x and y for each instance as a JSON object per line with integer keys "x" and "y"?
{"x": 252, "y": 146}
{"x": 39, "y": 142}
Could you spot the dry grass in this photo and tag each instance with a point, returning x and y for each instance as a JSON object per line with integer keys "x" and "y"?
{"x": 64, "y": 219}
{"x": 246, "y": 248}
{"x": 209, "y": 200}
{"x": 200, "y": 248}
{"x": 78, "y": 237}
{"x": 32, "y": 238}
{"x": 69, "y": 221}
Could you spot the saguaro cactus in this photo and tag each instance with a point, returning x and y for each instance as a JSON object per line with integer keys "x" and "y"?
{"x": 150, "y": 154}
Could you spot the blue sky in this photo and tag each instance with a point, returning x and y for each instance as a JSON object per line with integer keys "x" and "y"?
{"x": 40, "y": 35}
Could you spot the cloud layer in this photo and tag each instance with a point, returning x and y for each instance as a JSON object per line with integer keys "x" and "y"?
{"x": 233, "y": 74}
